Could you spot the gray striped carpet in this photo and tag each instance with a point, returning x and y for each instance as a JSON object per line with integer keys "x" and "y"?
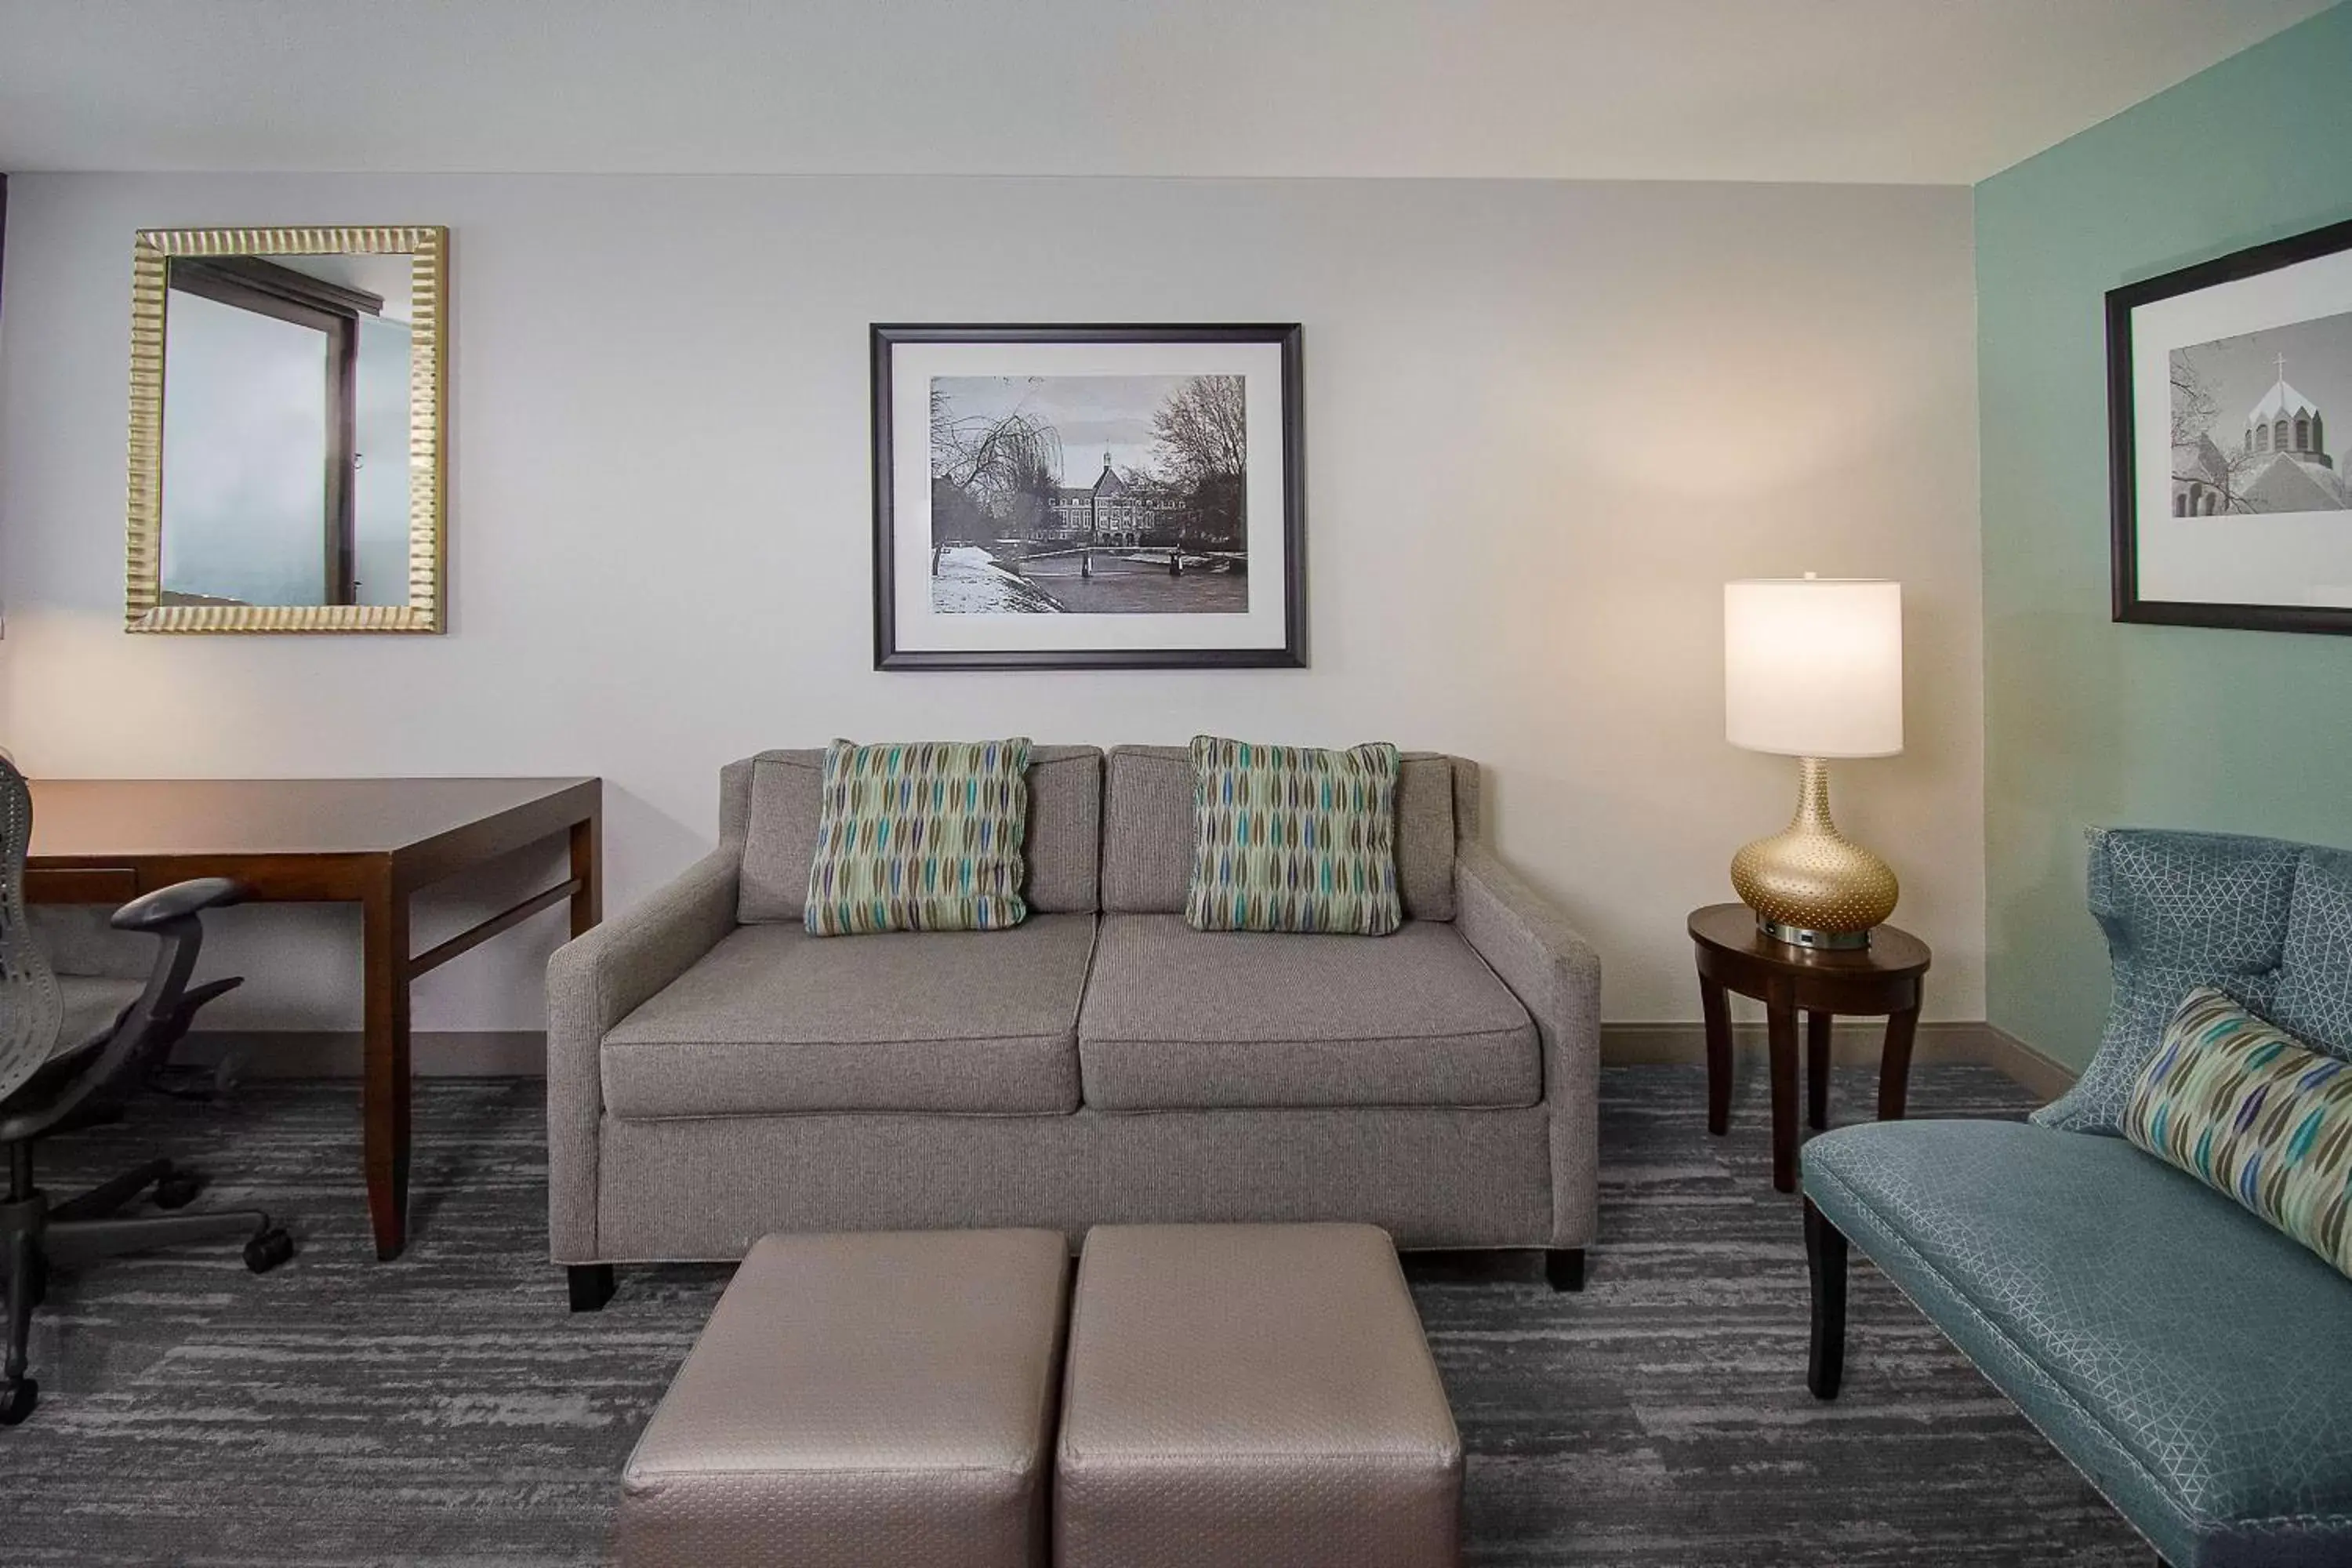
{"x": 446, "y": 1409}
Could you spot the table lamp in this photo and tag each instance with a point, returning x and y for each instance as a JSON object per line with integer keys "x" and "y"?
{"x": 1812, "y": 668}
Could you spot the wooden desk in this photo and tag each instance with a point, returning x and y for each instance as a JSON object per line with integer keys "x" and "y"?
{"x": 1821, "y": 982}
{"x": 372, "y": 842}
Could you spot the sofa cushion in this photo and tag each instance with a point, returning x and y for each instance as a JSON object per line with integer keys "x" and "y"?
{"x": 1181, "y": 1019}
{"x": 1148, "y": 830}
{"x": 2313, "y": 1001}
{"x": 1294, "y": 839}
{"x": 1425, "y": 833}
{"x": 774, "y": 1021}
{"x": 1147, "y": 861}
{"x": 2185, "y": 1355}
{"x": 784, "y": 796}
{"x": 920, "y": 835}
{"x": 2180, "y": 910}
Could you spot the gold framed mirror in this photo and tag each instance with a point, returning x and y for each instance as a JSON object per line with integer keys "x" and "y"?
{"x": 287, "y": 431}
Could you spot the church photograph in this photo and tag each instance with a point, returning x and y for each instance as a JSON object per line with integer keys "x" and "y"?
{"x": 2253, "y": 419}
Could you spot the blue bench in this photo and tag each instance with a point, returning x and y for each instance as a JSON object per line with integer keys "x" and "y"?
{"x": 2195, "y": 1364}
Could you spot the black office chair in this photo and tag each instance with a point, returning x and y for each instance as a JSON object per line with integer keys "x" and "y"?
{"x": 71, "y": 1047}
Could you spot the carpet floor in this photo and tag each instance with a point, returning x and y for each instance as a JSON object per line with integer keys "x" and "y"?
{"x": 445, "y": 1408}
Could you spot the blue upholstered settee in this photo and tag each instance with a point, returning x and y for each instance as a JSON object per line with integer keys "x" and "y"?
{"x": 2194, "y": 1362}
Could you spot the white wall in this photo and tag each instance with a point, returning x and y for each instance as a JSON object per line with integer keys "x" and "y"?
{"x": 1544, "y": 422}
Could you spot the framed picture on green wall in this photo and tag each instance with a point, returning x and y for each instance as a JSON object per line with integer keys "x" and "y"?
{"x": 2230, "y": 422}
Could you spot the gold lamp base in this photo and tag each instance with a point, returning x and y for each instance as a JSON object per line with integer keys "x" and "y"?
{"x": 1810, "y": 885}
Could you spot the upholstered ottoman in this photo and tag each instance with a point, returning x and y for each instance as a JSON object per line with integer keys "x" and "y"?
{"x": 1251, "y": 1397}
{"x": 860, "y": 1401}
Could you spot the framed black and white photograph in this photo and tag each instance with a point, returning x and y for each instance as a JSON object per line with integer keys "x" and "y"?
{"x": 1087, "y": 497}
{"x": 2230, "y": 420}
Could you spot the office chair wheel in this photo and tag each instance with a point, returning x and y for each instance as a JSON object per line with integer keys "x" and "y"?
{"x": 267, "y": 1249}
{"x": 178, "y": 1190}
{"x": 17, "y": 1397}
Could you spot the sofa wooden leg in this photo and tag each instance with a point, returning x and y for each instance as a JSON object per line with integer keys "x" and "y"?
{"x": 1825, "y": 1254}
{"x": 1564, "y": 1267}
{"x": 592, "y": 1285}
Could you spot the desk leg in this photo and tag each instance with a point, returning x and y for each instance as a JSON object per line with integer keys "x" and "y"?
{"x": 1817, "y": 1070}
{"x": 1895, "y": 1066}
{"x": 1781, "y": 1026}
{"x": 588, "y": 870}
{"x": 1716, "y": 1011}
{"x": 384, "y": 1088}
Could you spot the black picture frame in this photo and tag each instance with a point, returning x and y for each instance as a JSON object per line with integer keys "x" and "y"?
{"x": 2126, "y": 604}
{"x": 886, "y": 337}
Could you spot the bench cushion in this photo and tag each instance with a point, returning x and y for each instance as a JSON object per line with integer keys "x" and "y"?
{"x": 1181, "y": 1019}
{"x": 1251, "y": 1395}
{"x": 773, "y": 1021}
{"x": 860, "y": 1399}
{"x": 2180, "y": 910}
{"x": 2313, "y": 1001}
{"x": 2186, "y": 1356}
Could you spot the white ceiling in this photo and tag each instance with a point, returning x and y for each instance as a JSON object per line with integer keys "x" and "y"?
{"x": 1902, "y": 91}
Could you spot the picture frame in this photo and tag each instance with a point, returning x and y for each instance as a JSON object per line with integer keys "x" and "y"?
{"x": 2227, "y": 508}
{"x": 1089, "y": 497}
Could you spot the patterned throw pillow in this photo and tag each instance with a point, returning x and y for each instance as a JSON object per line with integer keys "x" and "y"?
{"x": 2251, "y": 1111}
{"x": 1294, "y": 839}
{"x": 924, "y": 836}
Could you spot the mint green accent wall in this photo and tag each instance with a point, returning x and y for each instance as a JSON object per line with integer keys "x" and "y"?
{"x": 2088, "y": 722}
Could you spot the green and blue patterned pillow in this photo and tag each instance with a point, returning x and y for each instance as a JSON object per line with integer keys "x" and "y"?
{"x": 922, "y": 837}
{"x": 2251, "y": 1111}
{"x": 1294, "y": 839}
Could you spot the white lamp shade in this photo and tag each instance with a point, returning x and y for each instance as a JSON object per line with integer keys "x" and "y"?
{"x": 1813, "y": 666}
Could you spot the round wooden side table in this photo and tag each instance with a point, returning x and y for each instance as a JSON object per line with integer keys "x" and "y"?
{"x": 1883, "y": 978}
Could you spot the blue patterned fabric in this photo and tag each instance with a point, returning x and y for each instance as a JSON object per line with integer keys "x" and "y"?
{"x": 2180, "y": 910}
{"x": 2315, "y": 984}
{"x": 2186, "y": 1357}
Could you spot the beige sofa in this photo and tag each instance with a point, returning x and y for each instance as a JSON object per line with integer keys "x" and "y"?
{"x": 715, "y": 1074}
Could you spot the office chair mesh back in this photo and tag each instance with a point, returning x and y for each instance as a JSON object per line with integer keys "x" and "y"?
{"x": 31, "y": 1011}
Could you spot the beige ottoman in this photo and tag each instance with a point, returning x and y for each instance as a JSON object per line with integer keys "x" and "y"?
{"x": 1251, "y": 1397}
{"x": 860, "y": 1401}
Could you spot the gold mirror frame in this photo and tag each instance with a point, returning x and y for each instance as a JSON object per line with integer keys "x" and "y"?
{"x": 143, "y": 610}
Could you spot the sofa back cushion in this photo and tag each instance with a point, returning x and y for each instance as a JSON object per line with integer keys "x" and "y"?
{"x": 774, "y": 800}
{"x": 1148, "y": 831}
{"x": 2180, "y": 910}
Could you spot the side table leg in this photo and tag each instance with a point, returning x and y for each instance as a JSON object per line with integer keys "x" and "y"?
{"x": 1817, "y": 1070}
{"x": 1716, "y": 1009}
{"x": 1895, "y": 1067}
{"x": 383, "y": 1082}
{"x": 1781, "y": 1024}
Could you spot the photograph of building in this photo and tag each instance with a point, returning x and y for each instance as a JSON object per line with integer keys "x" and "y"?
{"x": 2245, "y": 440}
{"x": 1019, "y": 527}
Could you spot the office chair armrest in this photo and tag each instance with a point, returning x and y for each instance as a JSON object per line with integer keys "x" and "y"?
{"x": 153, "y": 911}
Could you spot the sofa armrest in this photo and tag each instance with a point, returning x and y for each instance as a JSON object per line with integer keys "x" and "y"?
{"x": 1555, "y": 976}
{"x": 592, "y": 982}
